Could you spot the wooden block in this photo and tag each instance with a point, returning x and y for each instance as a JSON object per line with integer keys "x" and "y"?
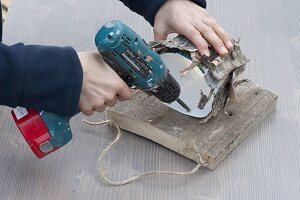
{"x": 5, "y": 3}
{"x": 4, "y": 7}
{"x": 4, "y": 13}
{"x": 148, "y": 117}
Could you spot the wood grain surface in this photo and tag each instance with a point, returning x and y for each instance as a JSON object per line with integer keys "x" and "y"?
{"x": 265, "y": 166}
{"x": 214, "y": 140}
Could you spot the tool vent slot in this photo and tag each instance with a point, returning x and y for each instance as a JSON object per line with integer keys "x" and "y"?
{"x": 126, "y": 40}
{"x": 114, "y": 53}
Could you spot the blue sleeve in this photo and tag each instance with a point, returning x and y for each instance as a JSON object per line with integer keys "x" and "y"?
{"x": 149, "y": 8}
{"x": 0, "y": 22}
{"x": 41, "y": 77}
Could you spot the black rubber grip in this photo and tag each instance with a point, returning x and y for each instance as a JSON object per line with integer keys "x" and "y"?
{"x": 169, "y": 90}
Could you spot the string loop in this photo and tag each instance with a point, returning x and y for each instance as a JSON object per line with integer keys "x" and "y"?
{"x": 135, "y": 178}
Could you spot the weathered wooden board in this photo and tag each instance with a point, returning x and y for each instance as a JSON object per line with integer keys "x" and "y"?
{"x": 4, "y": 7}
{"x": 148, "y": 117}
{"x": 5, "y": 3}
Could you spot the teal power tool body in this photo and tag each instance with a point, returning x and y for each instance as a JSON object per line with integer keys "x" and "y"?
{"x": 135, "y": 62}
{"x": 132, "y": 59}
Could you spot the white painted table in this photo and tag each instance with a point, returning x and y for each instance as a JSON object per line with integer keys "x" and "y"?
{"x": 265, "y": 166}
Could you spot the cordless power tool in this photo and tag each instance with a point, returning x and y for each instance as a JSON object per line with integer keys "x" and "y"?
{"x": 132, "y": 59}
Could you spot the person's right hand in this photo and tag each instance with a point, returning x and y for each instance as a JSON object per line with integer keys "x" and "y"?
{"x": 101, "y": 85}
{"x": 187, "y": 18}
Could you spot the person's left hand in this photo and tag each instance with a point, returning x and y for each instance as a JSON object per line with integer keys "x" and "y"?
{"x": 187, "y": 18}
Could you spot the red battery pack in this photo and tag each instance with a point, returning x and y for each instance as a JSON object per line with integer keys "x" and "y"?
{"x": 33, "y": 129}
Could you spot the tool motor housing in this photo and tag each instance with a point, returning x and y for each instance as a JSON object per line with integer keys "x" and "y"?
{"x": 135, "y": 62}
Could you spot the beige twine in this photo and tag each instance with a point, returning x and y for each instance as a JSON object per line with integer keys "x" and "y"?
{"x": 135, "y": 178}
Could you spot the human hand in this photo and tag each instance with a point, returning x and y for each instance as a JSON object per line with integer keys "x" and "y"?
{"x": 187, "y": 18}
{"x": 101, "y": 85}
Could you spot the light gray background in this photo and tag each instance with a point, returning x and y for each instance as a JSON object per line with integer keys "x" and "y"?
{"x": 265, "y": 166}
